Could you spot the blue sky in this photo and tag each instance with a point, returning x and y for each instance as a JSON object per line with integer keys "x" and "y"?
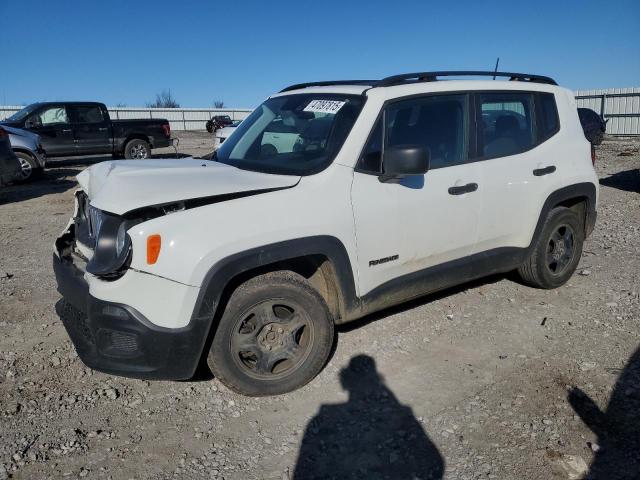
{"x": 122, "y": 51}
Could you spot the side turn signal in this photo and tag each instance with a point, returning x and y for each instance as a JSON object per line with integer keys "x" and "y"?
{"x": 154, "y": 242}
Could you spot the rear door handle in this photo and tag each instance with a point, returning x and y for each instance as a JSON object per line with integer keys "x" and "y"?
{"x": 462, "y": 189}
{"x": 67, "y": 130}
{"x": 102, "y": 129}
{"x": 538, "y": 172}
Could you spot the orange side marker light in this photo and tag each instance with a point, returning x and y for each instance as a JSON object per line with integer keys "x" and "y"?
{"x": 154, "y": 242}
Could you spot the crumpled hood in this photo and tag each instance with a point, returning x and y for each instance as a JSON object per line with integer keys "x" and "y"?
{"x": 121, "y": 186}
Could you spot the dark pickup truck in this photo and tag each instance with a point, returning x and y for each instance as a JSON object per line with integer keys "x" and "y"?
{"x": 84, "y": 128}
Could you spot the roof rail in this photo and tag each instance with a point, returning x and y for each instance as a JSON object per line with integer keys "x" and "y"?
{"x": 328, "y": 83}
{"x": 426, "y": 77}
{"x": 433, "y": 76}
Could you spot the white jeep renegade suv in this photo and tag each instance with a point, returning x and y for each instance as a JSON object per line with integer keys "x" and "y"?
{"x": 330, "y": 201}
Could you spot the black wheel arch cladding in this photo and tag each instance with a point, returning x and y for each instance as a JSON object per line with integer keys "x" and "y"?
{"x": 351, "y": 306}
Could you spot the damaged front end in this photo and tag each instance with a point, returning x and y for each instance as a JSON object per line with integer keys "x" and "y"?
{"x": 94, "y": 251}
{"x": 96, "y": 240}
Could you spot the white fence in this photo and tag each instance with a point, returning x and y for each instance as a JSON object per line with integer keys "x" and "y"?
{"x": 620, "y": 106}
{"x": 179, "y": 118}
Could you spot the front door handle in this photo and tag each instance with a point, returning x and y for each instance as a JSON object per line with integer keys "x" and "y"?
{"x": 462, "y": 189}
{"x": 102, "y": 129}
{"x": 67, "y": 130}
{"x": 538, "y": 172}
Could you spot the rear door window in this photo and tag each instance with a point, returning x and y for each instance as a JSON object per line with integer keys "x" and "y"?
{"x": 507, "y": 124}
{"x": 88, "y": 114}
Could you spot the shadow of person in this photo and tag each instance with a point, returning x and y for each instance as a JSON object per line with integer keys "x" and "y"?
{"x": 617, "y": 428}
{"x": 370, "y": 436}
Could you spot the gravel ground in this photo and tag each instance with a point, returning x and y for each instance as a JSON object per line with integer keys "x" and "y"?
{"x": 490, "y": 380}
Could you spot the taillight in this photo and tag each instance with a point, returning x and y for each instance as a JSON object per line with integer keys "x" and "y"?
{"x": 166, "y": 128}
{"x": 593, "y": 155}
{"x": 3, "y": 132}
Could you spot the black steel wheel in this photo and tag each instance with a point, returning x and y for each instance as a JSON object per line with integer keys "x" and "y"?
{"x": 274, "y": 336}
{"x": 560, "y": 249}
{"x": 556, "y": 252}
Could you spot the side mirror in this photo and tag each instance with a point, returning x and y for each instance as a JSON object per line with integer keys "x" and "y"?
{"x": 401, "y": 161}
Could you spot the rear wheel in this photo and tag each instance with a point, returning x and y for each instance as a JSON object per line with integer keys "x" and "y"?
{"x": 275, "y": 335}
{"x": 29, "y": 168}
{"x": 137, "y": 149}
{"x": 557, "y": 251}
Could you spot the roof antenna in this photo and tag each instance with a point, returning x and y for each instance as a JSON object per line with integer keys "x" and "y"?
{"x": 495, "y": 70}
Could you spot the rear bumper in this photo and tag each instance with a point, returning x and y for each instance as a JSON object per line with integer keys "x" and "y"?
{"x": 161, "y": 142}
{"x": 117, "y": 339}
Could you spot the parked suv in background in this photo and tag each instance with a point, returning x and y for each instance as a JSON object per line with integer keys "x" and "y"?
{"x": 221, "y": 134}
{"x": 85, "y": 128}
{"x": 593, "y": 125}
{"x": 218, "y": 121}
{"x": 26, "y": 145}
{"x": 391, "y": 189}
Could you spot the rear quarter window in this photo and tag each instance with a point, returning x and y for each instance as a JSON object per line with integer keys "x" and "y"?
{"x": 547, "y": 119}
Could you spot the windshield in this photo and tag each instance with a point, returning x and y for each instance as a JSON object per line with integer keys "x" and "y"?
{"x": 22, "y": 114}
{"x": 292, "y": 135}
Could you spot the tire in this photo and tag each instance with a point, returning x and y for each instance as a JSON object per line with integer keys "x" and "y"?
{"x": 29, "y": 168}
{"x": 209, "y": 126}
{"x": 557, "y": 251}
{"x": 275, "y": 335}
{"x": 137, "y": 149}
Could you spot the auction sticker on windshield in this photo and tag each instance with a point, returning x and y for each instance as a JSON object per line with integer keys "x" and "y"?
{"x": 324, "y": 106}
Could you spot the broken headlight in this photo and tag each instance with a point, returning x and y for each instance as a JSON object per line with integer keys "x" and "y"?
{"x": 112, "y": 251}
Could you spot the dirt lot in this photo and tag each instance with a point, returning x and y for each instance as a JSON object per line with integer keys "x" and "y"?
{"x": 490, "y": 380}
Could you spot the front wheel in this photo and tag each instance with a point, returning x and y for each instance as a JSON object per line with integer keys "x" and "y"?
{"x": 29, "y": 168}
{"x": 137, "y": 149}
{"x": 556, "y": 254}
{"x": 274, "y": 336}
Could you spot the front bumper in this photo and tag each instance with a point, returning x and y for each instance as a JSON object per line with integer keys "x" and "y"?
{"x": 116, "y": 338}
{"x": 41, "y": 156}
